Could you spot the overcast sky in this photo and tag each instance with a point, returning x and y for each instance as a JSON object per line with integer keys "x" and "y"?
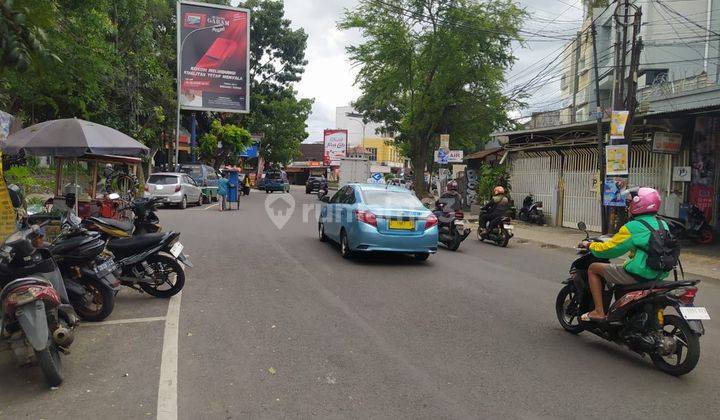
{"x": 329, "y": 75}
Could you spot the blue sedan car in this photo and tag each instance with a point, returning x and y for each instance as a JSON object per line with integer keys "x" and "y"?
{"x": 378, "y": 218}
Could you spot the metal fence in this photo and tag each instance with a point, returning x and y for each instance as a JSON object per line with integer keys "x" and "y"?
{"x": 581, "y": 201}
{"x": 536, "y": 173}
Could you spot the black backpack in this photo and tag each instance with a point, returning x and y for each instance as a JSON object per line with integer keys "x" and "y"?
{"x": 663, "y": 249}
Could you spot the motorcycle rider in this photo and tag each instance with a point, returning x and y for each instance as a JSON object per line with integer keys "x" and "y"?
{"x": 452, "y": 198}
{"x": 495, "y": 209}
{"x": 633, "y": 238}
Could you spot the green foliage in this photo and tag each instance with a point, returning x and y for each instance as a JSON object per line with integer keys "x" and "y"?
{"x": 434, "y": 66}
{"x": 22, "y": 36}
{"x": 232, "y": 138}
{"x": 32, "y": 180}
{"x": 489, "y": 177}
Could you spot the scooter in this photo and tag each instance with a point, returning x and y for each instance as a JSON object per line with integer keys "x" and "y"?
{"x": 532, "y": 211}
{"x": 500, "y": 234}
{"x": 36, "y": 321}
{"x": 451, "y": 231}
{"x": 636, "y": 317}
{"x": 87, "y": 270}
{"x": 695, "y": 228}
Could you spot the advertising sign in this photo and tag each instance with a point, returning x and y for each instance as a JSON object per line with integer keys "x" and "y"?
{"x": 612, "y": 196}
{"x": 452, "y": 156}
{"x": 616, "y": 159}
{"x": 682, "y": 174}
{"x": 335, "y": 146}
{"x": 667, "y": 143}
{"x": 445, "y": 141}
{"x": 213, "y": 57}
{"x": 618, "y": 119}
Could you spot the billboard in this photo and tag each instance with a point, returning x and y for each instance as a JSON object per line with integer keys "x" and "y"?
{"x": 335, "y": 148}
{"x": 213, "y": 57}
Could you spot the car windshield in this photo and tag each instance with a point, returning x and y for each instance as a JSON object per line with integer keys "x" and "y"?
{"x": 163, "y": 179}
{"x": 274, "y": 175}
{"x": 391, "y": 199}
{"x": 193, "y": 171}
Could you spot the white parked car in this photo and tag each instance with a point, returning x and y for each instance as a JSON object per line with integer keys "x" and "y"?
{"x": 175, "y": 188}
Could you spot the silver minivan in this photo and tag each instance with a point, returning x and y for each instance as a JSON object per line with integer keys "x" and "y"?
{"x": 176, "y": 188}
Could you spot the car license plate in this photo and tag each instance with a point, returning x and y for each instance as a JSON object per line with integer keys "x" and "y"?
{"x": 108, "y": 265}
{"x": 176, "y": 249}
{"x": 508, "y": 227}
{"x": 694, "y": 313}
{"x": 401, "y": 224}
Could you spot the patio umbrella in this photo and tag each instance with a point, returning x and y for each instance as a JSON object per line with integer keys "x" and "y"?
{"x": 72, "y": 137}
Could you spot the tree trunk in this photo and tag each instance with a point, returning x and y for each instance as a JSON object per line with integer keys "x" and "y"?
{"x": 418, "y": 160}
{"x": 219, "y": 159}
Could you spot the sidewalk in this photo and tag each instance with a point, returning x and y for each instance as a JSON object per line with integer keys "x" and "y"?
{"x": 695, "y": 260}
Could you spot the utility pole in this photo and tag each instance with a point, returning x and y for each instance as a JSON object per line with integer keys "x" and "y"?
{"x": 600, "y": 137}
{"x": 632, "y": 78}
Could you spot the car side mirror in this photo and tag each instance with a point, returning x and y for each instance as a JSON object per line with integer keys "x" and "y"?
{"x": 582, "y": 226}
{"x": 325, "y": 199}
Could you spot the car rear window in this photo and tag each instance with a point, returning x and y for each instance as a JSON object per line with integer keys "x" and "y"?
{"x": 392, "y": 199}
{"x": 163, "y": 179}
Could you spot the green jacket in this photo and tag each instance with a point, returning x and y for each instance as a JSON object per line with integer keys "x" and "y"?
{"x": 632, "y": 238}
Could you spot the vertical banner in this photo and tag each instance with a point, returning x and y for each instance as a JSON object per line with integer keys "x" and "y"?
{"x": 335, "y": 146}
{"x": 618, "y": 120}
{"x": 702, "y": 158}
{"x": 8, "y": 217}
{"x": 616, "y": 160}
{"x": 214, "y": 58}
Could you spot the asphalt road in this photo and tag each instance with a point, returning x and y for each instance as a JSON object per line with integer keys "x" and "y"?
{"x": 273, "y": 323}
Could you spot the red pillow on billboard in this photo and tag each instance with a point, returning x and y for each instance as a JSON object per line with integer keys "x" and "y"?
{"x": 219, "y": 51}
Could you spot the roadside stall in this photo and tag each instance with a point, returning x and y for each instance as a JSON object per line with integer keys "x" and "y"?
{"x": 80, "y": 148}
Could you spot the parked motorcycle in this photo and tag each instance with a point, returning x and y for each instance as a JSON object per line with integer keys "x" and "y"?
{"x": 87, "y": 270}
{"x": 451, "y": 231}
{"x": 500, "y": 234}
{"x": 636, "y": 317}
{"x": 149, "y": 262}
{"x": 532, "y": 211}
{"x": 36, "y": 320}
{"x": 695, "y": 227}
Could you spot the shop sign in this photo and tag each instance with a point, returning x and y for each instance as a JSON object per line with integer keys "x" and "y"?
{"x": 667, "y": 143}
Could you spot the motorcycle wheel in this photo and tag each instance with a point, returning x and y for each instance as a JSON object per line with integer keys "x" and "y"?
{"x": 706, "y": 236}
{"x": 479, "y": 236}
{"x": 165, "y": 267}
{"x": 565, "y": 298}
{"x": 50, "y": 364}
{"x": 685, "y": 339}
{"x": 101, "y": 305}
{"x": 505, "y": 239}
{"x": 453, "y": 246}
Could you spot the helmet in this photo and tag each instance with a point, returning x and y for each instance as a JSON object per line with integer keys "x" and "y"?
{"x": 643, "y": 201}
{"x": 452, "y": 186}
{"x": 499, "y": 190}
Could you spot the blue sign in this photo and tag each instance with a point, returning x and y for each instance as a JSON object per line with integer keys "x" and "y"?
{"x": 377, "y": 176}
{"x": 250, "y": 152}
{"x": 612, "y": 196}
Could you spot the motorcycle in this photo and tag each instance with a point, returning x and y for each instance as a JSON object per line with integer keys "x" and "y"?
{"x": 695, "y": 228}
{"x": 451, "y": 231}
{"x": 636, "y": 317}
{"x": 151, "y": 263}
{"x": 36, "y": 321}
{"x": 87, "y": 270}
{"x": 532, "y": 211}
{"x": 500, "y": 234}
{"x": 322, "y": 192}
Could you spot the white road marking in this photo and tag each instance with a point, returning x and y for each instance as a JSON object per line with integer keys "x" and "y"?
{"x": 167, "y": 407}
{"x": 123, "y": 321}
{"x": 211, "y": 206}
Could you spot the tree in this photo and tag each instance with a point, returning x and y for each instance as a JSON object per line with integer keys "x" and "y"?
{"x": 21, "y": 31}
{"x": 222, "y": 141}
{"x": 433, "y": 66}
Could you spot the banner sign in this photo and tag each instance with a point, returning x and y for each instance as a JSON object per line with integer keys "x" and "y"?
{"x": 213, "y": 56}
{"x": 667, "y": 143}
{"x": 445, "y": 141}
{"x": 617, "y": 124}
{"x": 616, "y": 159}
{"x": 335, "y": 146}
{"x": 452, "y": 156}
{"x": 612, "y": 196}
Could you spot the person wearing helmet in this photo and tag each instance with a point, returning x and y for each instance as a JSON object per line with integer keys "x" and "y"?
{"x": 452, "y": 198}
{"x": 495, "y": 209}
{"x": 633, "y": 238}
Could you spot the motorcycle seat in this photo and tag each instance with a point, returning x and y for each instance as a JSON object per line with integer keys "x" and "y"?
{"x": 114, "y": 223}
{"x": 135, "y": 244}
{"x": 655, "y": 285}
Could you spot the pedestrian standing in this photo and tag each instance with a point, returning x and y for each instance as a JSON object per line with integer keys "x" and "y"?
{"x": 223, "y": 185}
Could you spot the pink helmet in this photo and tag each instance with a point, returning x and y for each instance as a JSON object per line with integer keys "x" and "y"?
{"x": 644, "y": 200}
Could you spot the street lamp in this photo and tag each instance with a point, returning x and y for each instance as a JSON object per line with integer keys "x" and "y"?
{"x": 358, "y": 117}
{"x": 179, "y": 85}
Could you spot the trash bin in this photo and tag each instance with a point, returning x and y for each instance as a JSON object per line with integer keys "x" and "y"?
{"x": 233, "y": 176}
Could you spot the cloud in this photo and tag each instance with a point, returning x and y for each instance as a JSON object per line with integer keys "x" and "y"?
{"x": 329, "y": 76}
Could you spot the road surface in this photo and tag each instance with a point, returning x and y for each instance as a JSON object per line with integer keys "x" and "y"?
{"x": 273, "y": 323}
